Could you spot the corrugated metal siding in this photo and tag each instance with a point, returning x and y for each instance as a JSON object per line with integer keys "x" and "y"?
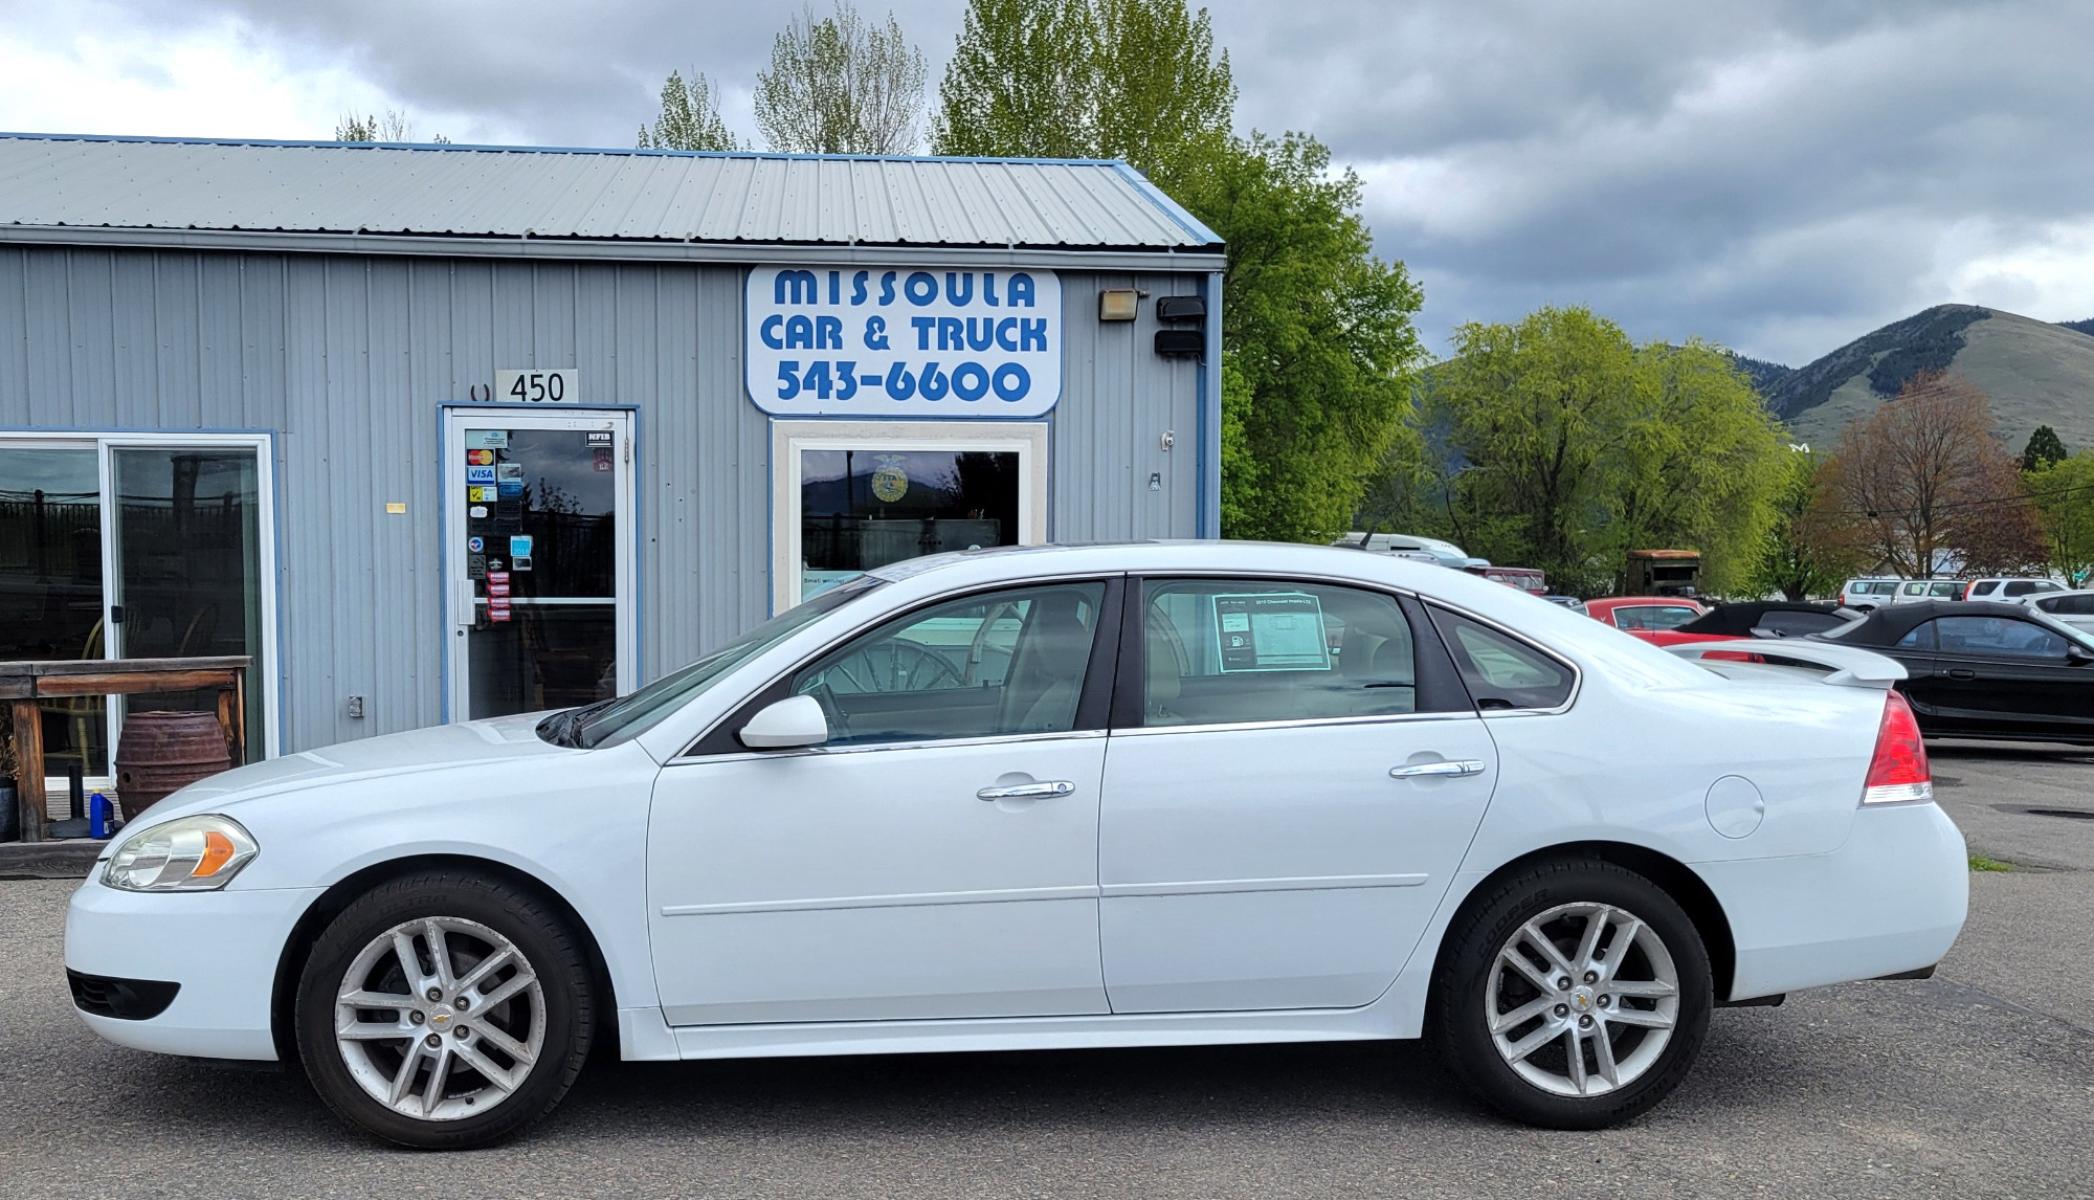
{"x": 348, "y": 359}
{"x": 1118, "y": 401}
{"x": 613, "y": 195}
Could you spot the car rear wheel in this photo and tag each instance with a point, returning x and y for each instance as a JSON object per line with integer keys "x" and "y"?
{"x": 1575, "y": 996}
{"x": 445, "y": 1010}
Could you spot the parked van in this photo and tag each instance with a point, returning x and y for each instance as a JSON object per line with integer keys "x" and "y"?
{"x": 1867, "y": 595}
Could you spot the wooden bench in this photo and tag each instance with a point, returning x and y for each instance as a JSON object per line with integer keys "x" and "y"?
{"x": 23, "y": 684}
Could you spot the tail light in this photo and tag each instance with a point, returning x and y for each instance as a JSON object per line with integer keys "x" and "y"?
{"x": 1898, "y": 773}
{"x": 1968, "y": 588}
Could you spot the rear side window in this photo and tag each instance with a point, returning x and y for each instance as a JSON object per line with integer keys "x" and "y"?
{"x": 1236, "y": 651}
{"x": 1945, "y": 589}
{"x": 1501, "y": 671}
{"x": 1653, "y": 616}
{"x": 2077, "y": 606}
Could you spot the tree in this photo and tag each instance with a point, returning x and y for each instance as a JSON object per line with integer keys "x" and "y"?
{"x": 1922, "y": 482}
{"x": 2063, "y": 491}
{"x": 392, "y": 127}
{"x": 1022, "y": 80}
{"x": 1561, "y": 445}
{"x": 2045, "y": 447}
{"x": 1137, "y": 80}
{"x": 1318, "y": 345}
{"x": 690, "y": 117}
{"x": 1317, "y": 341}
{"x": 1790, "y": 562}
{"x": 841, "y": 85}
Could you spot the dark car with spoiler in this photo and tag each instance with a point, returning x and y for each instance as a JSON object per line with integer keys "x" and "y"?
{"x": 1985, "y": 669}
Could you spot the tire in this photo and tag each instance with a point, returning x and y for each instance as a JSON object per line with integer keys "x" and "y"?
{"x": 381, "y": 1081}
{"x": 1473, "y": 989}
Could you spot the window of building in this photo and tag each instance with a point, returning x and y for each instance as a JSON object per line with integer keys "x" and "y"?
{"x": 858, "y": 496}
{"x": 135, "y": 546}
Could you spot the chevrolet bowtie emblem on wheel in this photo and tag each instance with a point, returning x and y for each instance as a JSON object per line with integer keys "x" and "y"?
{"x": 440, "y": 1019}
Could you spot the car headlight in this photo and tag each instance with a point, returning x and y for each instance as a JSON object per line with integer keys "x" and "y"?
{"x": 189, "y": 854}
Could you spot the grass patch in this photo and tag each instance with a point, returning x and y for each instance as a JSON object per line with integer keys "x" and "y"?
{"x": 1979, "y": 862}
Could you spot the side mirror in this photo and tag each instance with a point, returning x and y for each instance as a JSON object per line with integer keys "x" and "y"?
{"x": 2078, "y": 655}
{"x": 787, "y": 724}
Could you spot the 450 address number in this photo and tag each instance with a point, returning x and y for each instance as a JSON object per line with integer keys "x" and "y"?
{"x": 841, "y": 380}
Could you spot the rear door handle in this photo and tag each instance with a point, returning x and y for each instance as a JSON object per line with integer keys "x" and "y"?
{"x": 1046, "y": 789}
{"x": 1962, "y": 673}
{"x": 1448, "y": 768}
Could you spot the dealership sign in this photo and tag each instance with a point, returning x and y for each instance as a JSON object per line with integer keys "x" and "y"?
{"x": 903, "y": 343}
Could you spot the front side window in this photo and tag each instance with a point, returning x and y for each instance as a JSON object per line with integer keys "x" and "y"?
{"x": 1002, "y": 663}
{"x": 1944, "y": 589}
{"x": 1501, "y": 671}
{"x": 2002, "y": 637}
{"x": 1236, "y": 651}
{"x": 1984, "y": 587}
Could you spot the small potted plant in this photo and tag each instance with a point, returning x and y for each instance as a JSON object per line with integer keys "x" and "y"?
{"x": 10, "y": 810}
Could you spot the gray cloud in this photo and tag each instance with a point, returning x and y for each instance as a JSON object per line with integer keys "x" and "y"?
{"x": 1775, "y": 176}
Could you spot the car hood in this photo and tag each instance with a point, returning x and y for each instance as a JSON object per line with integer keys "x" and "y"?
{"x": 470, "y": 745}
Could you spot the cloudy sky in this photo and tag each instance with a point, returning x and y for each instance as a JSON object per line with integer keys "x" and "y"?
{"x": 1779, "y": 177}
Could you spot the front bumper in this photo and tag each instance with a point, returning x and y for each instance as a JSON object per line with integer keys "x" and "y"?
{"x": 1889, "y": 901}
{"x": 220, "y": 948}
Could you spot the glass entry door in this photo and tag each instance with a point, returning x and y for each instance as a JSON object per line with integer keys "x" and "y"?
{"x": 539, "y": 554}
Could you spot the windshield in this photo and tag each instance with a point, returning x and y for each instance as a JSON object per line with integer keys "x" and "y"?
{"x": 628, "y": 715}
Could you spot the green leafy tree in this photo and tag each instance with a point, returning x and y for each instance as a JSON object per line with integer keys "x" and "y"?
{"x": 1137, "y": 80}
{"x": 1317, "y": 337}
{"x": 1318, "y": 345}
{"x": 841, "y": 85}
{"x": 1570, "y": 446}
{"x": 1790, "y": 560}
{"x": 2044, "y": 448}
{"x": 392, "y": 127}
{"x": 2063, "y": 491}
{"x": 689, "y": 119}
{"x": 1701, "y": 462}
{"x": 1022, "y": 80}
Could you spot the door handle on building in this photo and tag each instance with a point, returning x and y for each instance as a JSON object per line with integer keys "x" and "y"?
{"x": 1044, "y": 790}
{"x": 1446, "y": 768}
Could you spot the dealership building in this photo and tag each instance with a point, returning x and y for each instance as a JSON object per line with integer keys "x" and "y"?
{"x": 440, "y": 432}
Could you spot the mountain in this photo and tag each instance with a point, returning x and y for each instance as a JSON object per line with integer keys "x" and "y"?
{"x": 1765, "y": 375}
{"x": 2086, "y": 326}
{"x": 2036, "y": 372}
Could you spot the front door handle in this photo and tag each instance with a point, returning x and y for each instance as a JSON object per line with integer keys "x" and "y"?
{"x": 1046, "y": 789}
{"x": 1962, "y": 673}
{"x": 1446, "y": 768}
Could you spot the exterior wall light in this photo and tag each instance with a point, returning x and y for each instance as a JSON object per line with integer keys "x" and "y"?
{"x": 1119, "y": 304}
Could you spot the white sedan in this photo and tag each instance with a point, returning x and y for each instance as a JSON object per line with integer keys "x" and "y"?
{"x": 1162, "y": 794}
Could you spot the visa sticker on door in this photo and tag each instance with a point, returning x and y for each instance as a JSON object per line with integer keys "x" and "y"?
{"x": 1270, "y": 631}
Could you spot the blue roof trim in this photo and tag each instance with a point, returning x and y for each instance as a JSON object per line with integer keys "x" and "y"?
{"x": 1171, "y": 208}
{"x": 636, "y": 152}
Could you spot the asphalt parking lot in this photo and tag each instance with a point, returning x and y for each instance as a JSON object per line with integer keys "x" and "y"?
{"x": 1979, "y": 1082}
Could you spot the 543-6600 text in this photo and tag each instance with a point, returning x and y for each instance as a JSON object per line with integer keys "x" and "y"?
{"x": 840, "y": 380}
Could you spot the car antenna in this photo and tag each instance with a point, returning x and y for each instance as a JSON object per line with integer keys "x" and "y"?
{"x": 1367, "y": 538}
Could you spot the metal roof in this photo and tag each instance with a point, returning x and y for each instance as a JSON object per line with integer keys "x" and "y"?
{"x": 619, "y": 196}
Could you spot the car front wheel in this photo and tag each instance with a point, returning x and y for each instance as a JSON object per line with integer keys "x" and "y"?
{"x": 1575, "y": 996}
{"x": 445, "y": 1010}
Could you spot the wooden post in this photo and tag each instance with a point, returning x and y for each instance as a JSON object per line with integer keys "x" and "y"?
{"x": 29, "y": 766}
{"x": 240, "y": 716}
{"x": 225, "y": 723}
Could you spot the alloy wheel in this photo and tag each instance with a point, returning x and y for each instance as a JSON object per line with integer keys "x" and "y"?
{"x": 440, "y": 1018}
{"x": 1582, "y": 999}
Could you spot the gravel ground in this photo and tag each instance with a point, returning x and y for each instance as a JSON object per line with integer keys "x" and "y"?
{"x": 1979, "y": 1082}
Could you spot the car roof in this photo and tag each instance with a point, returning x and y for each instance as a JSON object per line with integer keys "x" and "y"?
{"x": 1896, "y": 621}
